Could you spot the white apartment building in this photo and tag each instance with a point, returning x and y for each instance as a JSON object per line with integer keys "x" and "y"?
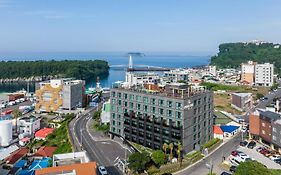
{"x": 136, "y": 78}
{"x": 248, "y": 72}
{"x": 29, "y": 125}
{"x": 176, "y": 75}
{"x": 264, "y": 74}
{"x": 213, "y": 70}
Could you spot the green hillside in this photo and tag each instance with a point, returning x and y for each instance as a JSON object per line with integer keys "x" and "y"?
{"x": 231, "y": 55}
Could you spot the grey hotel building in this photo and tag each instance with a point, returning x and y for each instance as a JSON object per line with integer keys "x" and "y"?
{"x": 152, "y": 115}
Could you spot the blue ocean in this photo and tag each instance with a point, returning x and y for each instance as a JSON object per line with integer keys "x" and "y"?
{"x": 114, "y": 59}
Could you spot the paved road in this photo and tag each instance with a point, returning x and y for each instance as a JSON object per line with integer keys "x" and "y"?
{"x": 216, "y": 157}
{"x": 97, "y": 150}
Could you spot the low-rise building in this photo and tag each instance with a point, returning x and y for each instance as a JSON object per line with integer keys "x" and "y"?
{"x": 137, "y": 78}
{"x": 58, "y": 95}
{"x": 70, "y": 158}
{"x": 264, "y": 74}
{"x": 45, "y": 151}
{"x": 265, "y": 126}
{"x": 176, "y": 75}
{"x": 218, "y": 133}
{"x": 29, "y": 125}
{"x": 242, "y": 101}
{"x": 73, "y": 169}
{"x": 43, "y": 133}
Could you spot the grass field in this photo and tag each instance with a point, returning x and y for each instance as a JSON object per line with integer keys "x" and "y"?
{"x": 221, "y": 118}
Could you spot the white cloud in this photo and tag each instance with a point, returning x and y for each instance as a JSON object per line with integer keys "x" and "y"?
{"x": 47, "y": 14}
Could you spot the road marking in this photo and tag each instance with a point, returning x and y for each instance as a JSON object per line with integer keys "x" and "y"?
{"x": 105, "y": 143}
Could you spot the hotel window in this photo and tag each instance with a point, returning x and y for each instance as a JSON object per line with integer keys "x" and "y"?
{"x": 131, "y": 105}
{"x": 153, "y": 109}
{"x": 119, "y": 95}
{"x": 145, "y": 100}
{"x": 178, "y": 105}
{"x": 161, "y": 111}
{"x": 125, "y": 103}
{"x": 113, "y": 101}
{"x": 169, "y": 104}
{"x": 153, "y": 101}
{"x": 125, "y": 96}
{"x": 119, "y": 102}
{"x": 145, "y": 108}
{"x": 113, "y": 115}
{"x": 161, "y": 102}
{"x": 169, "y": 113}
{"x": 131, "y": 97}
{"x": 138, "y": 98}
{"x": 113, "y": 94}
{"x": 139, "y": 106}
{"x": 178, "y": 115}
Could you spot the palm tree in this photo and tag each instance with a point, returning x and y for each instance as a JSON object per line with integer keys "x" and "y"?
{"x": 171, "y": 146}
{"x": 165, "y": 147}
{"x": 179, "y": 150}
{"x": 16, "y": 113}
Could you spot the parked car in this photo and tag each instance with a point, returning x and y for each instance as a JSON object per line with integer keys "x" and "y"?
{"x": 259, "y": 149}
{"x": 278, "y": 161}
{"x": 232, "y": 168}
{"x": 234, "y": 161}
{"x": 252, "y": 144}
{"x": 264, "y": 151}
{"x": 243, "y": 143}
{"x": 274, "y": 157}
{"x": 102, "y": 170}
{"x": 225, "y": 173}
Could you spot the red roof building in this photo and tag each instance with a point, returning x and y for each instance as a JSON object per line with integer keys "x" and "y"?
{"x": 43, "y": 133}
{"x": 45, "y": 151}
{"x": 218, "y": 133}
{"x": 16, "y": 156}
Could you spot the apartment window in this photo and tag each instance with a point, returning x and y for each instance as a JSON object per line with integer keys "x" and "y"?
{"x": 119, "y": 109}
{"x": 274, "y": 137}
{"x": 113, "y": 108}
{"x": 139, "y": 106}
{"x": 113, "y": 122}
{"x": 194, "y": 102}
{"x": 113, "y": 129}
{"x": 132, "y": 97}
{"x": 194, "y": 137}
{"x": 119, "y": 102}
{"x": 153, "y": 109}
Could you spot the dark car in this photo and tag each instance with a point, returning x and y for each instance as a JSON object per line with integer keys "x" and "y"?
{"x": 243, "y": 143}
{"x": 225, "y": 173}
{"x": 277, "y": 161}
{"x": 232, "y": 169}
{"x": 252, "y": 144}
{"x": 167, "y": 174}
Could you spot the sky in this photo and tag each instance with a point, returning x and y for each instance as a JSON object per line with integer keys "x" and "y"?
{"x": 181, "y": 26}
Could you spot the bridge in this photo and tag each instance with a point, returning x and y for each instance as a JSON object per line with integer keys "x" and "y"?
{"x": 138, "y": 68}
{"x": 131, "y": 68}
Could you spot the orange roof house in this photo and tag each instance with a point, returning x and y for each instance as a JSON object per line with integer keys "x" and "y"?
{"x": 45, "y": 151}
{"x": 16, "y": 156}
{"x": 80, "y": 169}
{"x": 43, "y": 133}
{"x": 217, "y": 130}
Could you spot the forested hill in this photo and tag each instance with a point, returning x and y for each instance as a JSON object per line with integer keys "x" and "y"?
{"x": 85, "y": 70}
{"x": 233, "y": 54}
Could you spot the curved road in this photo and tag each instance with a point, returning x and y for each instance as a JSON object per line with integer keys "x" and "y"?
{"x": 93, "y": 148}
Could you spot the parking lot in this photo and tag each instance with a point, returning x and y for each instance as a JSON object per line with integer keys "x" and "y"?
{"x": 259, "y": 157}
{"x": 255, "y": 155}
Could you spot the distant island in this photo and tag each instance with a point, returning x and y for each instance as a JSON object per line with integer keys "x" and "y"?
{"x": 15, "y": 71}
{"x": 231, "y": 55}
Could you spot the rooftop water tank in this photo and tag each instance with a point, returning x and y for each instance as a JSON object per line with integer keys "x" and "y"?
{"x": 6, "y": 132}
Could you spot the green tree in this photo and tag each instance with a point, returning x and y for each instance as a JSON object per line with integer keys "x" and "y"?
{"x": 158, "y": 157}
{"x": 165, "y": 147}
{"x": 179, "y": 151}
{"x": 251, "y": 168}
{"x": 171, "y": 147}
{"x": 259, "y": 95}
{"x": 138, "y": 161}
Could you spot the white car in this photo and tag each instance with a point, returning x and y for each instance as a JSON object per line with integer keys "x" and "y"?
{"x": 243, "y": 157}
{"x": 274, "y": 157}
{"x": 102, "y": 170}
